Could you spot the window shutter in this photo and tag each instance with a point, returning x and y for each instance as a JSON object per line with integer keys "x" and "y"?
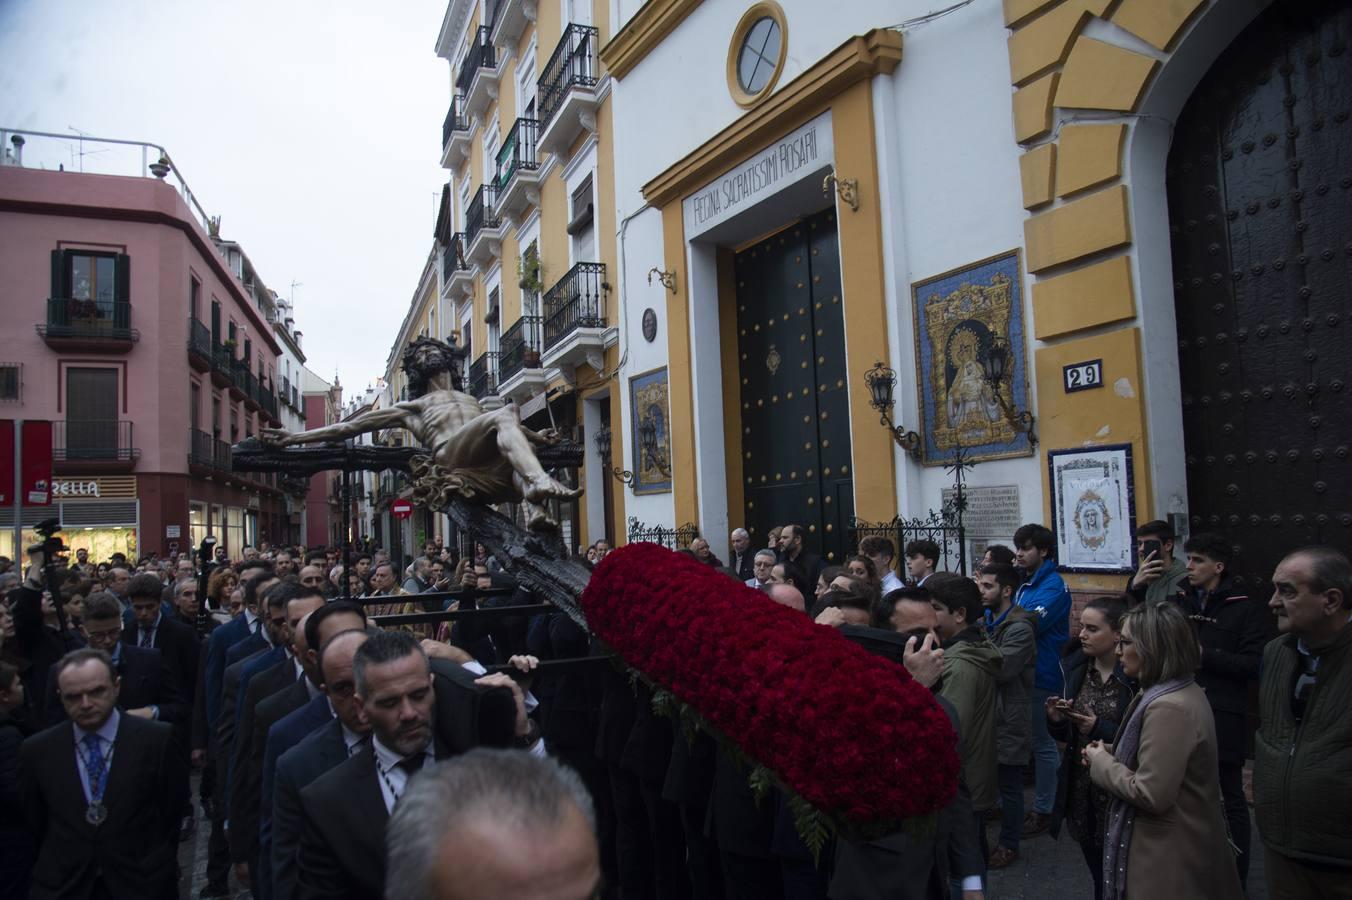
{"x": 122, "y": 279}
{"x": 59, "y": 291}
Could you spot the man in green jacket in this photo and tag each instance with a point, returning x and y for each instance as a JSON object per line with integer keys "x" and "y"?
{"x": 971, "y": 665}
{"x": 1302, "y": 791}
{"x": 1161, "y": 573}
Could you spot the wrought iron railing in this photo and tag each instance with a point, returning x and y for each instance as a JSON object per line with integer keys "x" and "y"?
{"x": 239, "y": 374}
{"x": 574, "y": 302}
{"x": 482, "y": 55}
{"x": 518, "y": 151}
{"x": 220, "y": 455}
{"x": 93, "y": 439}
{"x": 267, "y": 399}
{"x": 68, "y": 317}
{"x": 483, "y": 376}
{"x": 942, "y": 527}
{"x": 456, "y": 120}
{"x": 199, "y": 338}
{"x": 453, "y": 257}
{"x": 480, "y": 214}
{"x": 573, "y": 64}
{"x": 223, "y": 359}
{"x": 517, "y": 341}
{"x": 200, "y": 448}
{"x": 249, "y": 382}
{"x": 671, "y": 538}
{"x": 286, "y": 390}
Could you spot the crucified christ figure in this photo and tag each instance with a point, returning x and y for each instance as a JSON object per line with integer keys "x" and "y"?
{"x": 488, "y": 456}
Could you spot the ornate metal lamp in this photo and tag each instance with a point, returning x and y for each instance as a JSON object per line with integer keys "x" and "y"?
{"x": 996, "y": 369}
{"x": 881, "y": 381}
{"x": 602, "y": 441}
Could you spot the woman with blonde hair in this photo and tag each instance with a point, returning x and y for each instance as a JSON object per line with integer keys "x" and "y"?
{"x": 1165, "y": 827}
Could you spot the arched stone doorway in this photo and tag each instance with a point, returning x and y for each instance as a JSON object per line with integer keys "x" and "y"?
{"x": 1260, "y": 212}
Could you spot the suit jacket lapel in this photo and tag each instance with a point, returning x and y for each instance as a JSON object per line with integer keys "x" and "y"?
{"x": 68, "y": 783}
{"x": 125, "y": 756}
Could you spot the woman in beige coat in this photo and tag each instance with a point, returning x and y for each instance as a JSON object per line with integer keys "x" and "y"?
{"x": 1165, "y": 830}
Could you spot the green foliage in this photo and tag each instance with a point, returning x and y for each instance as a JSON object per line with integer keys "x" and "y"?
{"x": 812, "y": 826}
{"x": 761, "y": 781}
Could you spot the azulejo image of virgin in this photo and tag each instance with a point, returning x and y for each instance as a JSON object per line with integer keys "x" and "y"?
{"x": 959, "y": 316}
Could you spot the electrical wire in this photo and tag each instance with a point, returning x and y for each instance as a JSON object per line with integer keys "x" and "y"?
{"x": 928, "y": 17}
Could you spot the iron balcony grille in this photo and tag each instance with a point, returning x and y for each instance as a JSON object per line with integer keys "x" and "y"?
{"x": 480, "y": 214}
{"x": 482, "y": 55}
{"x": 248, "y": 382}
{"x": 199, "y": 338}
{"x": 239, "y": 374}
{"x": 68, "y": 317}
{"x": 574, "y": 302}
{"x": 671, "y": 538}
{"x": 518, "y": 151}
{"x": 453, "y": 257}
{"x": 521, "y": 337}
{"x": 267, "y": 399}
{"x": 200, "y": 449}
{"x": 223, "y": 359}
{"x": 483, "y": 380}
{"x": 93, "y": 440}
{"x": 456, "y": 120}
{"x": 220, "y": 456}
{"x": 572, "y": 65}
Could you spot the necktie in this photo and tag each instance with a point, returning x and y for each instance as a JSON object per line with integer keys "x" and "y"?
{"x": 411, "y": 765}
{"x": 96, "y": 766}
{"x": 147, "y": 637}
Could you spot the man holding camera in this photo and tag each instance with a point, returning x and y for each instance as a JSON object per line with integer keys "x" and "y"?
{"x": 1161, "y": 575}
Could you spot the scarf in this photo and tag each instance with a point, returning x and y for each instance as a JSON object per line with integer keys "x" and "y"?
{"x": 1121, "y": 814}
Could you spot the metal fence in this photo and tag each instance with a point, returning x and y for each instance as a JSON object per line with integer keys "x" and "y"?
{"x": 671, "y": 538}
{"x": 942, "y": 527}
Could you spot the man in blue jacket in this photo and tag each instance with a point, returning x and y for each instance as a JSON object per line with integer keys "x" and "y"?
{"x": 1044, "y": 595}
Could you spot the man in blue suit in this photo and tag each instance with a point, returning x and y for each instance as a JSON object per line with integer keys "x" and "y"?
{"x": 227, "y": 636}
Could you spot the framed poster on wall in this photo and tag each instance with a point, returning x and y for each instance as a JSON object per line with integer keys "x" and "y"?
{"x": 1093, "y": 508}
{"x": 959, "y": 316}
{"x": 650, "y": 432}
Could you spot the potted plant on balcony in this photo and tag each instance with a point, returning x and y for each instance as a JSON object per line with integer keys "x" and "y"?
{"x": 528, "y": 272}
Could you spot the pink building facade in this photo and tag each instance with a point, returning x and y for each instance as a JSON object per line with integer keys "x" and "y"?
{"x": 151, "y": 353}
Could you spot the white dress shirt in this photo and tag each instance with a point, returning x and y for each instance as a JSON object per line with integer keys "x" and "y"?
{"x": 394, "y": 780}
{"x": 891, "y": 582}
{"x": 107, "y": 735}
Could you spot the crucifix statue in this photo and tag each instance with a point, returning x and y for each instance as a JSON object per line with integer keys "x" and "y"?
{"x": 479, "y": 456}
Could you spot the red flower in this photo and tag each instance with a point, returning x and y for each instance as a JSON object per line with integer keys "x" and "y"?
{"x": 847, "y": 730}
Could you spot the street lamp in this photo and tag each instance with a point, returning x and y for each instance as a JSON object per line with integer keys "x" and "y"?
{"x": 996, "y": 369}
{"x": 881, "y": 381}
{"x": 602, "y": 440}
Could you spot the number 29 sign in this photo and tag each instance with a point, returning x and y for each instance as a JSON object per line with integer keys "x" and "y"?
{"x": 1082, "y": 376}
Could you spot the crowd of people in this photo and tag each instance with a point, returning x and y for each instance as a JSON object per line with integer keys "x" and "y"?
{"x": 463, "y": 756}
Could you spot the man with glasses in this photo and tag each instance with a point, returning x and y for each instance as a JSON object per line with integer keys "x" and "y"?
{"x": 1302, "y": 796}
{"x": 148, "y": 687}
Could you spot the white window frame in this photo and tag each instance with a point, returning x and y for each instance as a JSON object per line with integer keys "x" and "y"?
{"x": 525, "y": 81}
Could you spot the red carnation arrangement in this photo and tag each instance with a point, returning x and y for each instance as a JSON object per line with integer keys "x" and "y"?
{"x": 849, "y": 732}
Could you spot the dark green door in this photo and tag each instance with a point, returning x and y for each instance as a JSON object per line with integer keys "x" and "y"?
{"x": 795, "y": 407}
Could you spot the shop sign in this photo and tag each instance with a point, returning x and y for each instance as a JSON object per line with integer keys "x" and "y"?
{"x": 70, "y": 488}
{"x": 36, "y": 443}
{"x": 800, "y": 153}
{"x": 172, "y": 531}
{"x": 113, "y": 487}
{"x": 401, "y": 509}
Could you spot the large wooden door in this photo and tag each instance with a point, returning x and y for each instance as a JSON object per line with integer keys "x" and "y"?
{"x": 792, "y": 369}
{"x": 1260, "y": 200}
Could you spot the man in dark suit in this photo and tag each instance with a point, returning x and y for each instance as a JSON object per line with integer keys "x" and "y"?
{"x": 177, "y": 643}
{"x": 269, "y": 696}
{"x": 742, "y": 556}
{"x": 102, "y": 793}
{"x": 222, "y": 639}
{"x": 345, "y": 733}
{"x": 792, "y": 548}
{"x": 148, "y": 686}
{"x": 344, "y": 811}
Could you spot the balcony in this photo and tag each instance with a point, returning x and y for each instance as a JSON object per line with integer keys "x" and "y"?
{"x": 575, "y": 329}
{"x": 482, "y": 383}
{"x": 222, "y": 364}
{"x": 199, "y": 346}
{"x": 286, "y": 391}
{"x": 239, "y": 378}
{"x": 483, "y": 228}
{"x": 93, "y": 446}
{"x": 92, "y": 326}
{"x": 567, "y": 90}
{"x": 520, "y": 376}
{"x": 510, "y": 21}
{"x": 477, "y": 80}
{"x": 457, "y": 135}
{"x": 518, "y": 170}
{"x": 267, "y": 399}
{"x": 457, "y": 279}
{"x": 250, "y": 389}
{"x": 199, "y": 451}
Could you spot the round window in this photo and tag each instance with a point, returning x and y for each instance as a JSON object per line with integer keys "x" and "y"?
{"x": 756, "y": 54}
{"x": 759, "y": 56}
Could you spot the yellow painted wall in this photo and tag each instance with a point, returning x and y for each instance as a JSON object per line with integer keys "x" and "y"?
{"x": 680, "y": 392}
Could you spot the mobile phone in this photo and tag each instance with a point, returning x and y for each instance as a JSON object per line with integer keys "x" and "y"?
{"x": 1149, "y": 547}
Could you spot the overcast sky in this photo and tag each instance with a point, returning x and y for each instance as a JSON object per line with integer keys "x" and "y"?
{"x": 311, "y": 128}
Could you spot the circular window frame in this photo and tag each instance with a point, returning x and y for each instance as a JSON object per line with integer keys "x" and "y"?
{"x": 762, "y": 10}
